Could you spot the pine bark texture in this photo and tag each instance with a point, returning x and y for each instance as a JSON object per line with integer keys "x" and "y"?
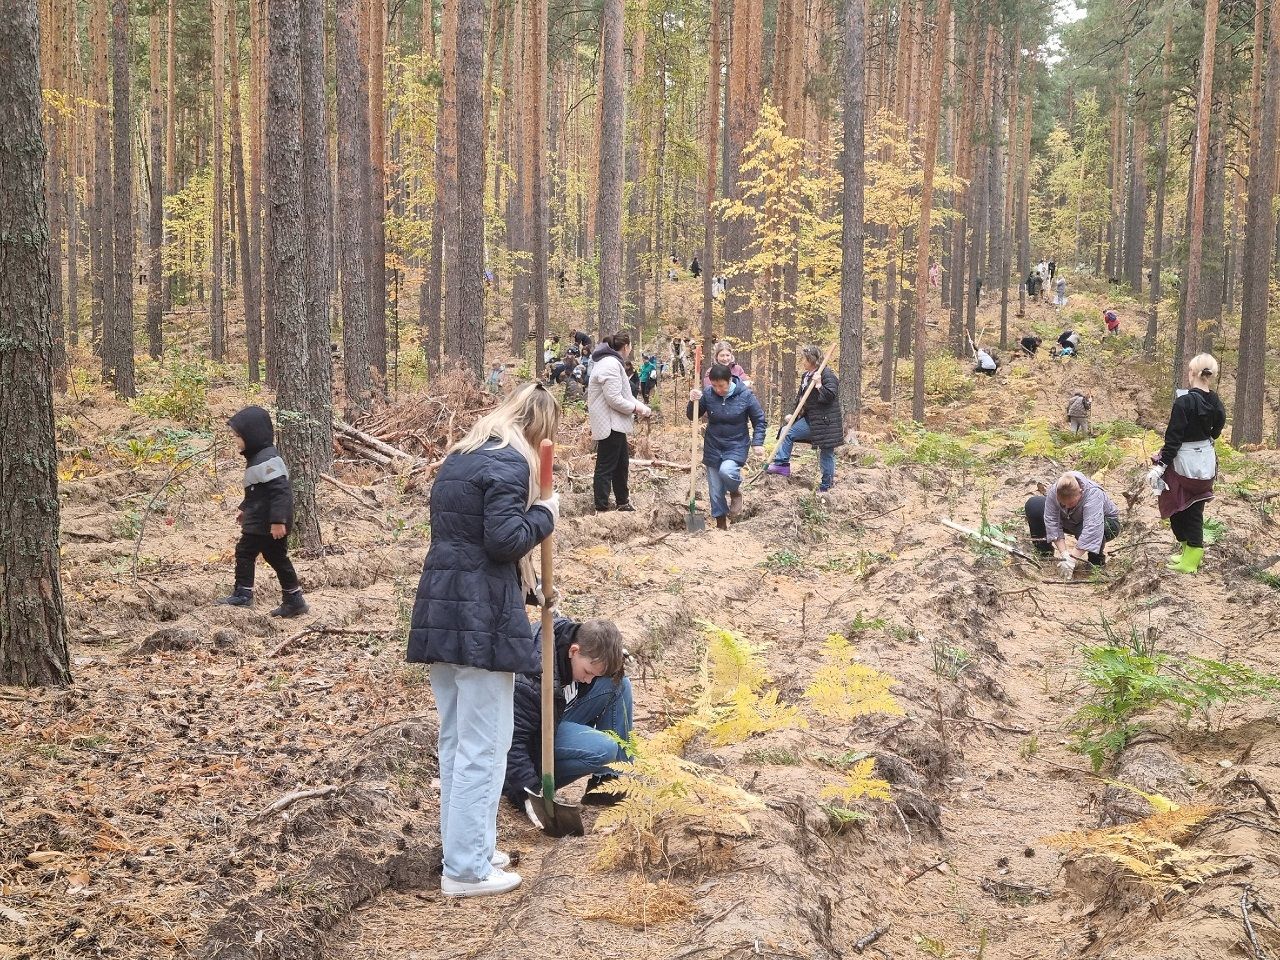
{"x": 852, "y": 238}
{"x": 246, "y": 222}
{"x": 377, "y": 185}
{"x": 33, "y": 630}
{"x": 1259, "y": 238}
{"x": 353, "y": 138}
{"x": 285, "y": 213}
{"x": 470, "y": 164}
{"x": 117, "y": 347}
{"x": 217, "y": 311}
{"x": 609, "y": 216}
{"x": 155, "y": 220}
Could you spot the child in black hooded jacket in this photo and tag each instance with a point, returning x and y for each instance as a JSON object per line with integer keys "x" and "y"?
{"x": 265, "y": 514}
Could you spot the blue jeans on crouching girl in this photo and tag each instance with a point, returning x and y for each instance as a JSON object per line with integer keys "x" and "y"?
{"x": 583, "y": 748}
{"x": 721, "y": 482}
{"x": 800, "y": 433}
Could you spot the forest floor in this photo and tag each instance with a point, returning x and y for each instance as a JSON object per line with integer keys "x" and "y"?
{"x": 136, "y": 814}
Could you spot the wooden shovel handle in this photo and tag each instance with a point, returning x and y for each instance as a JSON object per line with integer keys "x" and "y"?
{"x": 693, "y": 437}
{"x": 546, "y": 459}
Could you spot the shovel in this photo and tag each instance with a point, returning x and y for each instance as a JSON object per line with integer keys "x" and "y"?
{"x": 695, "y": 521}
{"x": 559, "y": 819}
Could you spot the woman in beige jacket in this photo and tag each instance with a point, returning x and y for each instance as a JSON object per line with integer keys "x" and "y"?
{"x": 612, "y": 409}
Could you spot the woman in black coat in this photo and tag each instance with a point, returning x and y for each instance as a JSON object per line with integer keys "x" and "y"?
{"x": 816, "y": 420}
{"x": 469, "y": 623}
{"x": 1187, "y": 464}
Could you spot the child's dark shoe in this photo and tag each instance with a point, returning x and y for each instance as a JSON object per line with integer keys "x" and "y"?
{"x": 293, "y": 606}
{"x": 240, "y": 597}
{"x": 595, "y": 797}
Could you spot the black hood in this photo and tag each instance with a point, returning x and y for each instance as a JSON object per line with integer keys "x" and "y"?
{"x": 604, "y": 350}
{"x": 1206, "y": 406}
{"x": 253, "y": 424}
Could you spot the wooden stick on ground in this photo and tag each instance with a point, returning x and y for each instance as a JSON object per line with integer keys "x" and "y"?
{"x": 289, "y": 799}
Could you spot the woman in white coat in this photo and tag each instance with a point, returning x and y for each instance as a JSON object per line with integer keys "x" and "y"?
{"x": 612, "y": 409}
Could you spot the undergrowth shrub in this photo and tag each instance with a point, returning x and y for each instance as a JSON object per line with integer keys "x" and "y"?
{"x": 1128, "y": 678}
{"x": 176, "y": 389}
{"x": 946, "y": 379}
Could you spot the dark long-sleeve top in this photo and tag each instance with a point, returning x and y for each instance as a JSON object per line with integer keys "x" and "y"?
{"x": 1196, "y": 415}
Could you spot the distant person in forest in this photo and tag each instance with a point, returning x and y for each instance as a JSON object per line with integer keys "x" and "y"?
{"x": 984, "y": 362}
{"x": 265, "y": 514}
{"x": 1077, "y": 506}
{"x": 648, "y": 377}
{"x": 582, "y": 341}
{"x": 1078, "y": 407}
{"x": 717, "y": 288}
{"x": 1042, "y": 272}
{"x": 469, "y": 623}
{"x": 817, "y": 420}
{"x": 1033, "y": 280}
{"x": 695, "y": 268}
{"x": 1053, "y": 270}
{"x": 493, "y": 382}
{"x": 935, "y": 274}
{"x": 612, "y": 409}
{"x": 735, "y": 425}
{"x": 1060, "y": 292}
{"x": 722, "y": 354}
{"x": 1030, "y": 344}
{"x": 633, "y": 378}
{"x": 677, "y": 357}
{"x": 1184, "y": 468}
{"x": 592, "y": 708}
{"x": 1112, "y": 321}
{"x": 1068, "y": 343}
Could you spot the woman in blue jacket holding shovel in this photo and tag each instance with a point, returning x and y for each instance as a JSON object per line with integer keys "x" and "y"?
{"x": 735, "y": 421}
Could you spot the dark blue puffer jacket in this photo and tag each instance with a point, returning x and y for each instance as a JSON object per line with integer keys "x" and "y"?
{"x": 470, "y": 607}
{"x": 727, "y": 421}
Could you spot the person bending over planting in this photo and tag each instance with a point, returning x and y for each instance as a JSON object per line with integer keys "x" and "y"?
{"x": 592, "y": 703}
{"x": 265, "y": 514}
{"x": 1077, "y": 506}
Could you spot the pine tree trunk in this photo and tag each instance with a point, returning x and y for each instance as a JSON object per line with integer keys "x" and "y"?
{"x": 1157, "y": 227}
{"x": 448, "y": 185}
{"x": 535, "y": 156}
{"x": 854, "y": 89}
{"x": 51, "y": 65}
{"x": 317, "y": 207}
{"x": 155, "y": 231}
{"x": 352, "y": 151}
{"x": 217, "y": 313}
{"x": 171, "y": 126}
{"x": 470, "y": 166}
{"x": 710, "y": 268}
{"x": 285, "y": 213}
{"x": 117, "y": 347}
{"x": 72, "y": 153}
{"x": 928, "y": 160}
{"x": 33, "y": 628}
{"x": 609, "y": 216}
{"x": 1260, "y": 236}
{"x": 1190, "y": 340}
{"x": 104, "y": 282}
{"x": 245, "y": 221}
{"x": 377, "y": 185}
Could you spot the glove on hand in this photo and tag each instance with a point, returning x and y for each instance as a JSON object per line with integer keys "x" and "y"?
{"x": 1068, "y": 567}
{"x": 533, "y": 808}
{"x": 1155, "y": 480}
{"x": 552, "y": 503}
{"x": 542, "y": 598}
{"x": 1155, "y": 458}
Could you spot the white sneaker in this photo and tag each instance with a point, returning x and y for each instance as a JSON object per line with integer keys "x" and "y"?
{"x": 498, "y": 881}
{"x": 500, "y": 860}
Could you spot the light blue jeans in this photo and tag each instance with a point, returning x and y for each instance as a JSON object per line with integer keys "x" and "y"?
{"x": 800, "y": 433}
{"x": 583, "y": 748}
{"x": 722, "y": 482}
{"x": 475, "y": 708}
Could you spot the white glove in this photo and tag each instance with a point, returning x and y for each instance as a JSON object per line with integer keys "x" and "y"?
{"x": 1068, "y": 567}
{"x": 542, "y": 598}
{"x": 643, "y": 412}
{"x": 533, "y": 807}
{"x": 552, "y": 504}
{"x": 1155, "y": 480}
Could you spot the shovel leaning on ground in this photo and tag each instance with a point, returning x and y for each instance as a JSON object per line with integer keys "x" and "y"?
{"x": 560, "y": 819}
{"x": 695, "y": 521}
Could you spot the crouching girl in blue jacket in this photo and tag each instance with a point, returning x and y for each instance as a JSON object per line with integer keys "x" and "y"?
{"x": 469, "y": 623}
{"x": 734, "y": 420}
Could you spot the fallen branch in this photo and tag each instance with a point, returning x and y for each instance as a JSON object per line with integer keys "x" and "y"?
{"x": 1245, "y": 905}
{"x": 929, "y": 869}
{"x": 321, "y": 632}
{"x": 1245, "y": 777}
{"x": 667, "y": 464}
{"x": 289, "y": 799}
{"x": 871, "y": 938}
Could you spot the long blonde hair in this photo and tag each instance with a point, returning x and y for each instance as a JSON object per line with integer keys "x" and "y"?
{"x": 522, "y": 421}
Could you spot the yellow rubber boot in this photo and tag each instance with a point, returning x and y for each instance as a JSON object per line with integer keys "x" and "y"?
{"x": 1192, "y": 557}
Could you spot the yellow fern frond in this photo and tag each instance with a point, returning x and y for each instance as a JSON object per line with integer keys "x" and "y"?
{"x": 859, "y": 784}
{"x": 1160, "y": 804}
{"x": 843, "y": 688}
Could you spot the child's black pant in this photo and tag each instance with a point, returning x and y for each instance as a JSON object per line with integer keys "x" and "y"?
{"x": 275, "y": 552}
{"x": 1188, "y": 525}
